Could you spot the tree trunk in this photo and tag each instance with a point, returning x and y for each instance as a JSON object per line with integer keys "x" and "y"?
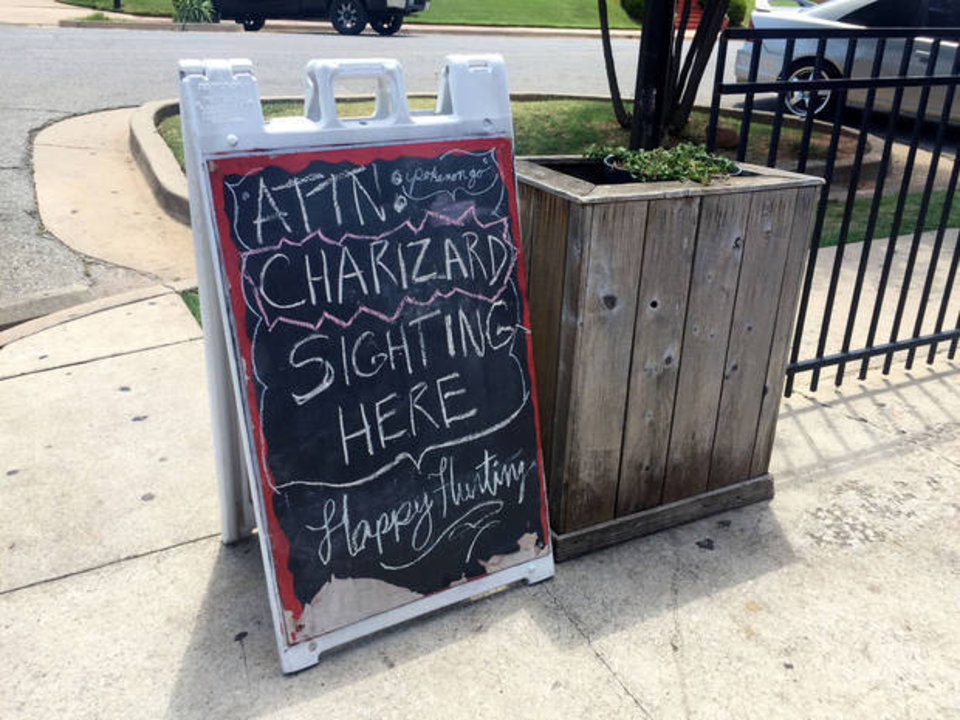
{"x": 623, "y": 117}
{"x": 653, "y": 75}
{"x": 695, "y": 63}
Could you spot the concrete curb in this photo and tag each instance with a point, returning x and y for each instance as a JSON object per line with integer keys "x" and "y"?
{"x": 37, "y": 305}
{"x": 156, "y": 161}
{"x": 412, "y": 29}
{"x": 148, "y": 25}
{"x": 169, "y": 184}
{"x": 32, "y": 327}
{"x": 842, "y": 171}
{"x": 322, "y": 27}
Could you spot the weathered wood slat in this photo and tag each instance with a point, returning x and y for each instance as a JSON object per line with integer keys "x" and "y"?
{"x": 570, "y": 545}
{"x": 578, "y": 220}
{"x": 713, "y": 285}
{"x": 547, "y": 239}
{"x": 601, "y": 361}
{"x": 658, "y": 335}
{"x": 748, "y": 351}
{"x": 528, "y": 199}
{"x": 804, "y": 217}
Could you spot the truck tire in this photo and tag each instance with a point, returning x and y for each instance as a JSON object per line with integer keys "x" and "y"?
{"x": 252, "y": 23}
{"x": 348, "y": 17}
{"x": 387, "y": 23}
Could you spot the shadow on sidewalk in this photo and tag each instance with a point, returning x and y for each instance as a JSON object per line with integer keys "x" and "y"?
{"x": 883, "y": 446}
{"x": 864, "y": 423}
{"x": 230, "y": 668}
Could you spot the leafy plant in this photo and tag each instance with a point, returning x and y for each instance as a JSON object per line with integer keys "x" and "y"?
{"x": 737, "y": 11}
{"x": 192, "y": 11}
{"x": 685, "y": 161}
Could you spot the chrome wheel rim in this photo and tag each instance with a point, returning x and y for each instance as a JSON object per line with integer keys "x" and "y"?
{"x": 798, "y": 102}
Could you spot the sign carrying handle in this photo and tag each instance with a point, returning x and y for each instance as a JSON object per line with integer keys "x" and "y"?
{"x": 390, "y": 108}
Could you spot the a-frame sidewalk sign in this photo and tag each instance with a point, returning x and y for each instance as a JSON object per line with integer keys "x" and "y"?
{"x": 369, "y": 358}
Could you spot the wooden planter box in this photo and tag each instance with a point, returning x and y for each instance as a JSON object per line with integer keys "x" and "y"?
{"x": 662, "y": 315}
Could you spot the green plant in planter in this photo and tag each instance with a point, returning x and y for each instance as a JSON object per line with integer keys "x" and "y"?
{"x": 681, "y": 162}
{"x": 192, "y": 11}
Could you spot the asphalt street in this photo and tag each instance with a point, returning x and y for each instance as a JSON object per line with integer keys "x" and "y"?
{"x": 52, "y": 73}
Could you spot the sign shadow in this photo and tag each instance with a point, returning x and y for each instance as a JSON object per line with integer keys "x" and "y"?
{"x": 229, "y": 667}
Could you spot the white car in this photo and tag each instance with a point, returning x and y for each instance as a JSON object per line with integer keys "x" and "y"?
{"x": 852, "y": 14}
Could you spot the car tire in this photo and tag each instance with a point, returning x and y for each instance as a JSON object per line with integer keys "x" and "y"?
{"x": 348, "y": 17}
{"x": 387, "y": 23}
{"x": 252, "y": 23}
{"x": 798, "y": 103}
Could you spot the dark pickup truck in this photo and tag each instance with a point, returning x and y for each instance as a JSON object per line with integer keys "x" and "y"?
{"x": 349, "y": 17}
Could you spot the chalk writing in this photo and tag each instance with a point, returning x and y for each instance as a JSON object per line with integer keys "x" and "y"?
{"x": 452, "y": 174}
{"x": 379, "y": 312}
{"x": 314, "y": 279}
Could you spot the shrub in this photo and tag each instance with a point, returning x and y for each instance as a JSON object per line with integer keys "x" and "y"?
{"x": 633, "y": 9}
{"x": 192, "y": 11}
{"x": 737, "y": 11}
{"x": 681, "y": 162}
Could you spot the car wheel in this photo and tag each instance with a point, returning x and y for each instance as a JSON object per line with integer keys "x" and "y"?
{"x": 348, "y": 17}
{"x": 252, "y": 23}
{"x": 387, "y": 24}
{"x": 800, "y": 102}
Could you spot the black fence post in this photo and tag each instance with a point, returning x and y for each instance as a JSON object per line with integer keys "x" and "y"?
{"x": 867, "y": 210}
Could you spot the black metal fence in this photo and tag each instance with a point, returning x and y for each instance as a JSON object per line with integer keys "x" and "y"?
{"x": 873, "y": 113}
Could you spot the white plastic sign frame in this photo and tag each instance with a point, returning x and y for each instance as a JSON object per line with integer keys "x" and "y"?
{"x": 222, "y": 117}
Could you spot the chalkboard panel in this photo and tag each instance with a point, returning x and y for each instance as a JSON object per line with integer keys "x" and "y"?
{"x": 378, "y": 313}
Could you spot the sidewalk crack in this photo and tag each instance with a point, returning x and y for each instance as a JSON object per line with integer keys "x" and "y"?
{"x": 94, "y": 568}
{"x": 110, "y": 356}
{"x": 676, "y": 635}
{"x": 597, "y": 654}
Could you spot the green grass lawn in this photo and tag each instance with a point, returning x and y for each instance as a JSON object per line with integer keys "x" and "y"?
{"x": 556, "y": 127}
{"x": 856, "y": 232}
{"x": 536, "y": 13}
{"x": 541, "y": 128}
{"x": 191, "y": 298}
{"x": 134, "y": 7}
{"x": 546, "y": 127}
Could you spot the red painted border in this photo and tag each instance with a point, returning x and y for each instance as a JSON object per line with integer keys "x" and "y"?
{"x": 231, "y": 265}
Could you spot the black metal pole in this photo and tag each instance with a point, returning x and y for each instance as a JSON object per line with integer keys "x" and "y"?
{"x": 653, "y": 70}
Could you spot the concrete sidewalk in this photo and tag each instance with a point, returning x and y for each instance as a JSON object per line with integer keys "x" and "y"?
{"x": 841, "y": 598}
